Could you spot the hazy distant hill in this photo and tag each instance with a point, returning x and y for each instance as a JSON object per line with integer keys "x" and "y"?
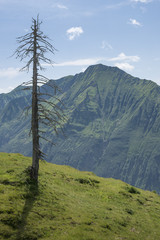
{"x": 113, "y": 128}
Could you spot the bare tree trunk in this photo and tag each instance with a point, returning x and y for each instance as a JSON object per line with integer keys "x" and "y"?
{"x": 34, "y": 45}
{"x": 35, "y": 134}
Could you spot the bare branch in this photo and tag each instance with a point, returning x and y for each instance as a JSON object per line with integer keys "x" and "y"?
{"x": 34, "y": 46}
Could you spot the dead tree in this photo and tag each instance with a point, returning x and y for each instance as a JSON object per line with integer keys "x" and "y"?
{"x": 34, "y": 45}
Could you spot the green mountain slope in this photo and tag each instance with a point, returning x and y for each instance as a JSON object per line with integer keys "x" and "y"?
{"x": 69, "y": 204}
{"x": 113, "y": 128}
{"x": 14, "y": 122}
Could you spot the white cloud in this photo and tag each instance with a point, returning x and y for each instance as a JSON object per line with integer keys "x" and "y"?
{"x": 105, "y": 45}
{"x": 6, "y": 90}
{"x": 125, "y": 66}
{"x": 142, "y": 1}
{"x": 74, "y": 32}
{"x": 80, "y": 62}
{"x": 134, "y": 22}
{"x": 124, "y": 62}
{"x": 123, "y": 57}
{"x": 9, "y": 72}
{"x": 61, "y": 6}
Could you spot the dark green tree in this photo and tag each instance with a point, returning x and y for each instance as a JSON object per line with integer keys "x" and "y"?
{"x": 34, "y": 46}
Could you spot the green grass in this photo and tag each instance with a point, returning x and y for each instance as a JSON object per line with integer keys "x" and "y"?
{"x": 71, "y": 205}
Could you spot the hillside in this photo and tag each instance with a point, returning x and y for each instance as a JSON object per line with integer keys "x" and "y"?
{"x": 113, "y": 128}
{"x": 69, "y": 204}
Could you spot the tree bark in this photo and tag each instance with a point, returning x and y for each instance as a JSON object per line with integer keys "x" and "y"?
{"x": 35, "y": 134}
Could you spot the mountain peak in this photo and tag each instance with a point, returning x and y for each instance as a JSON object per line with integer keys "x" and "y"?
{"x": 101, "y": 67}
{"x": 97, "y": 67}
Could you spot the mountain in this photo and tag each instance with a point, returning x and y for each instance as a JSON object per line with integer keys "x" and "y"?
{"x": 68, "y": 204}
{"x": 113, "y": 128}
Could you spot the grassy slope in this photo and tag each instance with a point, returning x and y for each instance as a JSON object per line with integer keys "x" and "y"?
{"x": 69, "y": 204}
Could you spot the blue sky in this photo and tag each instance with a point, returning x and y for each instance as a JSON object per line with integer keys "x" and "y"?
{"x": 122, "y": 33}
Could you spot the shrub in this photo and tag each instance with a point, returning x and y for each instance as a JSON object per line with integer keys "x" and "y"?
{"x": 133, "y": 190}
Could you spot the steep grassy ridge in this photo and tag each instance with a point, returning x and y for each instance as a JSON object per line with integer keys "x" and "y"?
{"x": 69, "y": 204}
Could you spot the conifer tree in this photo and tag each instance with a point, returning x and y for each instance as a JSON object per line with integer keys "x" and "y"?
{"x": 34, "y": 45}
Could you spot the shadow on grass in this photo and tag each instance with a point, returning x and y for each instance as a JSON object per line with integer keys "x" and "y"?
{"x": 31, "y": 194}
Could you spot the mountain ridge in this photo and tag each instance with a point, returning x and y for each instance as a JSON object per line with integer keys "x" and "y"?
{"x": 113, "y": 128}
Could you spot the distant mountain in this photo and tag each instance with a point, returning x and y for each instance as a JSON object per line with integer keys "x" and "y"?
{"x": 113, "y": 128}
